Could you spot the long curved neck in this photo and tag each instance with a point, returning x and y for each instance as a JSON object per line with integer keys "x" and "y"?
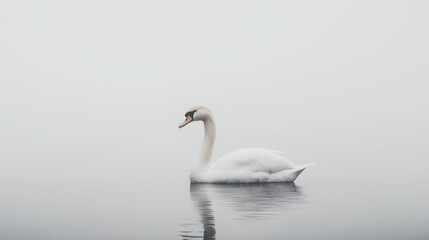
{"x": 202, "y": 162}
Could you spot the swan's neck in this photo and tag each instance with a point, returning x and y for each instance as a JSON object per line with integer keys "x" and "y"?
{"x": 201, "y": 164}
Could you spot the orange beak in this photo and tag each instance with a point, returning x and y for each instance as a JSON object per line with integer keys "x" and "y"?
{"x": 187, "y": 120}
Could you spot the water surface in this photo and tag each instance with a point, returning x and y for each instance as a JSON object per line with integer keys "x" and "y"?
{"x": 122, "y": 203}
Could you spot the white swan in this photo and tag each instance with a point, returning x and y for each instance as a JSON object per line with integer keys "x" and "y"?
{"x": 248, "y": 165}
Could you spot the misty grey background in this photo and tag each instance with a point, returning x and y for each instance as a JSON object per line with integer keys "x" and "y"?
{"x": 92, "y": 92}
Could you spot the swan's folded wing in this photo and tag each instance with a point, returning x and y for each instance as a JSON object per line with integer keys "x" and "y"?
{"x": 253, "y": 160}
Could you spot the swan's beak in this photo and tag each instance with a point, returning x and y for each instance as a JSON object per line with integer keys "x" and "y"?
{"x": 187, "y": 120}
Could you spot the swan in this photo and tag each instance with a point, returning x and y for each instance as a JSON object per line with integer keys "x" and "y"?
{"x": 249, "y": 165}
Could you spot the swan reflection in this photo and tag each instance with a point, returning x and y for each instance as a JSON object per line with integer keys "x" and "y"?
{"x": 248, "y": 202}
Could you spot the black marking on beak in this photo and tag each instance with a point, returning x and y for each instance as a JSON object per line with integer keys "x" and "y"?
{"x": 190, "y": 114}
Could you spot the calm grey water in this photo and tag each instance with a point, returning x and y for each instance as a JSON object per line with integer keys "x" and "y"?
{"x": 350, "y": 201}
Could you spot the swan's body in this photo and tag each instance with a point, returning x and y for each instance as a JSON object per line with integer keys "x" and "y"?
{"x": 248, "y": 165}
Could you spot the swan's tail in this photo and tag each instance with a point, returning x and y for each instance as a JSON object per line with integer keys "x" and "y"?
{"x": 302, "y": 167}
{"x": 298, "y": 170}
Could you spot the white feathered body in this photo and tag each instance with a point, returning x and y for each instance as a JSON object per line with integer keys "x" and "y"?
{"x": 250, "y": 165}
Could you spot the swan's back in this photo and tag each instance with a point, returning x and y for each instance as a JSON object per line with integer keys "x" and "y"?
{"x": 251, "y": 165}
{"x": 253, "y": 159}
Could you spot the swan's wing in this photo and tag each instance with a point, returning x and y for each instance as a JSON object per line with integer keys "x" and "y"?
{"x": 252, "y": 160}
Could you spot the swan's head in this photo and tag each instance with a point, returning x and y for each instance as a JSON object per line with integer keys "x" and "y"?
{"x": 198, "y": 113}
